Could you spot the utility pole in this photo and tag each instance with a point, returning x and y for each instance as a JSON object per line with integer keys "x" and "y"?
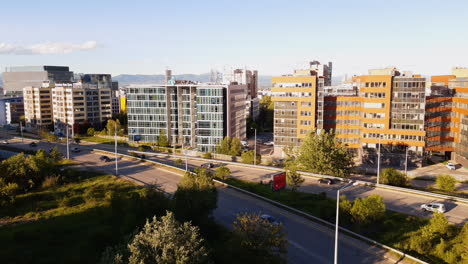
{"x": 21, "y": 130}
{"x": 337, "y": 218}
{"x": 255, "y": 148}
{"x": 378, "y": 161}
{"x": 116, "y": 163}
{"x": 186, "y": 160}
{"x": 68, "y": 147}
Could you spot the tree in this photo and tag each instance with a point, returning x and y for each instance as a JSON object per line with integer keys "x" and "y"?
{"x": 224, "y": 146}
{"x": 368, "y": 209}
{"x": 56, "y": 155}
{"x": 446, "y": 182}
{"x": 393, "y": 177}
{"x": 248, "y": 157}
{"x": 112, "y": 126}
{"x": 162, "y": 139}
{"x": 103, "y": 132}
{"x": 294, "y": 179}
{"x": 323, "y": 153}
{"x": 236, "y": 147}
{"x": 162, "y": 241}
{"x": 90, "y": 131}
{"x": 196, "y": 197}
{"x": 262, "y": 241}
{"x": 223, "y": 173}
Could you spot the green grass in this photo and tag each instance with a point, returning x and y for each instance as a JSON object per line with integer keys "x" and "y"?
{"x": 73, "y": 223}
{"x": 104, "y": 141}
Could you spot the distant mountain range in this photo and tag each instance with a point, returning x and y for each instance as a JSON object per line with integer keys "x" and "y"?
{"x": 124, "y": 79}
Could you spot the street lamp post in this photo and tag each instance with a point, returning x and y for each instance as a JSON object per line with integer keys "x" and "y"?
{"x": 116, "y": 159}
{"x": 337, "y": 218}
{"x": 68, "y": 147}
{"x": 406, "y": 161}
{"x": 255, "y": 147}
{"x": 378, "y": 161}
{"x": 21, "y": 130}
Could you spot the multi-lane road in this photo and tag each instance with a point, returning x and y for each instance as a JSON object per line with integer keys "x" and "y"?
{"x": 308, "y": 241}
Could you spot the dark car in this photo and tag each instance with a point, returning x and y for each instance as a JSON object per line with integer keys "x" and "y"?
{"x": 207, "y": 165}
{"x": 104, "y": 158}
{"x": 33, "y": 144}
{"x": 270, "y": 219}
{"x": 326, "y": 181}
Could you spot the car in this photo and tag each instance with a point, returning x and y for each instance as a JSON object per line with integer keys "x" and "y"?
{"x": 326, "y": 181}
{"x": 269, "y": 143}
{"x": 75, "y": 149}
{"x": 33, "y": 144}
{"x": 245, "y": 149}
{"x": 4, "y": 142}
{"x": 245, "y": 143}
{"x": 451, "y": 166}
{"x": 207, "y": 165}
{"x": 270, "y": 219}
{"x": 104, "y": 158}
{"x": 433, "y": 207}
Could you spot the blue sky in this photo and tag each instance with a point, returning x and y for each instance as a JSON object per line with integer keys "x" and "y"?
{"x": 145, "y": 37}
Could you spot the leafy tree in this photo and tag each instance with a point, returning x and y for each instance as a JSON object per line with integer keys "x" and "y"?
{"x": 323, "y": 153}
{"x": 162, "y": 139}
{"x": 196, "y": 197}
{"x": 393, "y": 177}
{"x": 162, "y": 241}
{"x": 236, "y": 147}
{"x": 262, "y": 241}
{"x": 104, "y": 132}
{"x": 56, "y": 155}
{"x": 294, "y": 179}
{"x": 248, "y": 157}
{"x": 90, "y": 131}
{"x": 368, "y": 209}
{"x": 223, "y": 173}
{"x": 224, "y": 146}
{"x": 446, "y": 182}
{"x": 8, "y": 192}
{"x": 112, "y": 126}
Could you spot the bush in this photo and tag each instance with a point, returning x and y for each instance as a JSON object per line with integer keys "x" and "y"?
{"x": 446, "y": 182}
{"x": 90, "y": 131}
{"x": 367, "y": 210}
{"x": 178, "y": 162}
{"x": 248, "y": 157}
{"x": 104, "y": 132}
{"x": 208, "y": 155}
{"x": 51, "y": 181}
{"x": 393, "y": 177}
{"x": 223, "y": 173}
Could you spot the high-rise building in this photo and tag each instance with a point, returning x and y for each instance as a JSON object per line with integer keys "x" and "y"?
{"x": 38, "y": 106}
{"x": 16, "y": 78}
{"x": 190, "y": 114}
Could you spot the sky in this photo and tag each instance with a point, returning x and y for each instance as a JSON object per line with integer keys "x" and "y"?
{"x": 274, "y": 37}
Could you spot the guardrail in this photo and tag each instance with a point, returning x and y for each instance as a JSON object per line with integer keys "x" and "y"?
{"x": 309, "y": 174}
{"x": 294, "y": 210}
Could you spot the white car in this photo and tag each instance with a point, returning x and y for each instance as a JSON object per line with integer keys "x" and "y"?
{"x": 451, "y": 166}
{"x": 245, "y": 143}
{"x": 433, "y": 207}
{"x": 269, "y": 143}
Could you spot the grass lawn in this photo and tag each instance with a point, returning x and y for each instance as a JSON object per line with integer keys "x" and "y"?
{"x": 101, "y": 140}
{"x": 74, "y": 222}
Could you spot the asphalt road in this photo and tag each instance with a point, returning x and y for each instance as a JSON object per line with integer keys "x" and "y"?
{"x": 308, "y": 242}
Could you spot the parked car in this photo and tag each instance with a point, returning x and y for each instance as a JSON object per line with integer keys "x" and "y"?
{"x": 245, "y": 143}
{"x": 75, "y": 149}
{"x": 433, "y": 207}
{"x": 104, "y": 158}
{"x": 326, "y": 181}
{"x": 207, "y": 165}
{"x": 270, "y": 219}
{"x": 269, "y": 143}
{"x": 451, "y": 166}
{"x": 33, "y": 144}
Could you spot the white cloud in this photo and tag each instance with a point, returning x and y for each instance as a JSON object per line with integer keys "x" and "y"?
{"x": 46, "y": 48}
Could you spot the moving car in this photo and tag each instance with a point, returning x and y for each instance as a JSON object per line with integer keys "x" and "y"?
{"x": 326, "y": 181}
{"x": 75, "y": 149}
{"x": 433, "y": 207}
{"x": 451, "y": 166}
{"x": 270, "y": 219}
{"x": 33, "y": 144}
{"x": 244, "y": 143}
{"x": 4, "y": 142}
{"x": 104, "y": 158}
{"x": 207, "y": 165}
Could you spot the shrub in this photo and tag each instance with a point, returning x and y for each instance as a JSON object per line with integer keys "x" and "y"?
{"x": 367, "y": 210}
{"x": 393, "y": 177}
{"x": 223, "y": 173}
{"x": 178, "y": 162}
{"x": 446, "y": 182}
{"x": 90, "y": 131}
{"x": 248, "y": 157}
{"x": 51, "y": 181}
{"x": 207, "y": 155}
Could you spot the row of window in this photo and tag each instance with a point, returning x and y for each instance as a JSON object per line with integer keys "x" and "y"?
{"x": 393, "y": 137}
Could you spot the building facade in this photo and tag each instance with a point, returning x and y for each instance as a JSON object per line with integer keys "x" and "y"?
{"x": 189, "y": 114}
{"x": 38, "y": 106}
{"x": 11, "y": 109}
